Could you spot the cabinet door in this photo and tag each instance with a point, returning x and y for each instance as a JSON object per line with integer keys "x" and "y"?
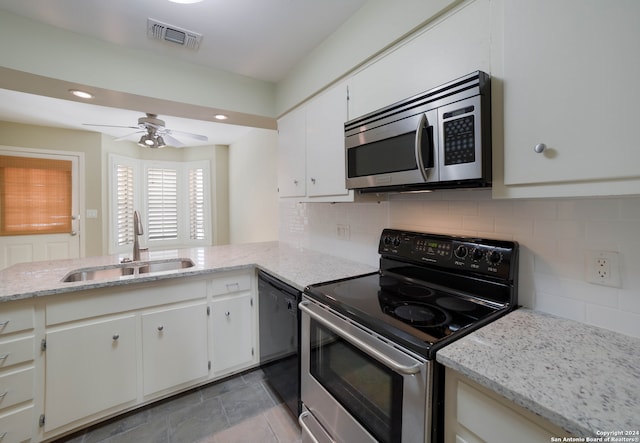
{"x": 89, "y": 368}
{"x": 326, "y": 116}
{"x": 447, "y": 49}
{"x": 570, "y": 82}
{"x": 233, "y": 333}
{"x": 292, "y": 154}
{"x": 174, "y": 347}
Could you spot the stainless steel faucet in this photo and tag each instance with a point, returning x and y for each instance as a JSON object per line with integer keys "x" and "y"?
{"x": 137, "y": 231}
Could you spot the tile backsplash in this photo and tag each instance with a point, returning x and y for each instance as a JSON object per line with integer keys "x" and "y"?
{"x": 555, "y": 236}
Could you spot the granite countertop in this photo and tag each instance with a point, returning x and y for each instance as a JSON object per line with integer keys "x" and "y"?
{"x": 582, "y": 378}
{"x": 295, "y": 266}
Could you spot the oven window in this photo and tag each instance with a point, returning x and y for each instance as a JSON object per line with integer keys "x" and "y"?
{"x": 370, "y": 391}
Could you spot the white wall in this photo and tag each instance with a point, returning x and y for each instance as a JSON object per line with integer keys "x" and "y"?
{"x": 253, "y": 183}
{"x": 554, "y": 235}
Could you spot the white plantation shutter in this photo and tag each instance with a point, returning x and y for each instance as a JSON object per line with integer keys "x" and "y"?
{"x": 162, "y": 204}
{"x": 124, "y": 204}
{"x": 196, "y": 204}
{"x": 174, "y": 200}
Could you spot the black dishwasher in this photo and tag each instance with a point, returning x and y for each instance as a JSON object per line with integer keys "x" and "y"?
{"x": 280, "y": 338}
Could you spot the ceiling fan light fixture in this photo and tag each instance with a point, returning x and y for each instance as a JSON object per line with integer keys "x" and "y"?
{"x": 160, "y": 142}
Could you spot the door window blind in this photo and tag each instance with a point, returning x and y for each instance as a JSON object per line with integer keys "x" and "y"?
{"x": 162, "y": 203}
{"x": 35, "y": 196}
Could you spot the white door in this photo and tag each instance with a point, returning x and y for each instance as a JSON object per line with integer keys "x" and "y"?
{"x": 27, "y": 248}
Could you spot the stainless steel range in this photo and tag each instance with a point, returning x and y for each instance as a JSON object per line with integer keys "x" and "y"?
{"x": 369, "y": 342}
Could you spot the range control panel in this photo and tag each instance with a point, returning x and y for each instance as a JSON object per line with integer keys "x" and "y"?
{"x": 484, "y": 256}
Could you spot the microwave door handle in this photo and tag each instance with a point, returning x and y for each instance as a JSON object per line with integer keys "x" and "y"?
{"x": 419, "y": 160}
{"x": 380, "y": 356}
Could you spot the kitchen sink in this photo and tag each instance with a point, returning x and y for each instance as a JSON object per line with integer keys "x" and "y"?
{"x": 131, "y": 268}
{"x": 165, "y": 265}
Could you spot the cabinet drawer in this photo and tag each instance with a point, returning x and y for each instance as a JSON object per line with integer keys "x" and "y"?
{"x": 231, "y": 283}
{"x": 13, "y": 352}
{"x": 16, "y": 427}
{"x": 15, "y": 318}
{"x": 15, "y": 387}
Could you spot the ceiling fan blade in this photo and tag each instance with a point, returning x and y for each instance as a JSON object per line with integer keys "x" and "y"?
{"x": 112, "y": 126}
{"x": 124, "y": 137}
{"x": 202, "y": 138}
{"x": 171, "y": 141}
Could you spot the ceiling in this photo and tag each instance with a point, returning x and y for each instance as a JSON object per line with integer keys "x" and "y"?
{"x": 262, "y": 39}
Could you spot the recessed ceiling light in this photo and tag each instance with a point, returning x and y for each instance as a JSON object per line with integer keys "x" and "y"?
{"x": 80, "y": 94}
{"x": 221, "y": 116}
{"x": 185, "y": 2}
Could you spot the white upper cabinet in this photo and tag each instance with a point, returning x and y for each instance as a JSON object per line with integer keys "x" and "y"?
{"x": 326, "y": 115}
{"x": 311, "y": 155}
{"x": 450, "y": 47}
{"x": 292, "y": 153}
{"x": 570, "y": 71}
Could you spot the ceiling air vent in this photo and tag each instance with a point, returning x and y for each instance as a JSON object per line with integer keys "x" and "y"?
{"x": 173, "y": 34}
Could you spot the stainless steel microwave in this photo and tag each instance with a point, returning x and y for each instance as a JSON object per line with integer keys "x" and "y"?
{"x": 440, "y": 138}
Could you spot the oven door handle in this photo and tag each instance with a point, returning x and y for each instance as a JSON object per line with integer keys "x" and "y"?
{"x": 306, "y": 430}
{"x": 380, "y": 356}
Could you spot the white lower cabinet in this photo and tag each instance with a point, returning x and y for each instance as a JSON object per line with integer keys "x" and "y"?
{"x": 16, "y": 426}
{"x": 70, "y": 360}
{"x": 17, "y": 372}
{"x": 233, "y": 333}
{"x": 174, "y": 347}
{"x": 473, "y": 414}
{"x": 90, "y": 368}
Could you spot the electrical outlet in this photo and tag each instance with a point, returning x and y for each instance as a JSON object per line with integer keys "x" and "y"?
{"x": 603, "y": 268}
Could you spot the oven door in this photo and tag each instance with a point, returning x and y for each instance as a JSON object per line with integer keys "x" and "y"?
{"x": 357, "y": 386}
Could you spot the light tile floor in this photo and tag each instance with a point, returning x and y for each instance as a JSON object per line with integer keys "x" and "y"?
{"x": 241, "y": 409}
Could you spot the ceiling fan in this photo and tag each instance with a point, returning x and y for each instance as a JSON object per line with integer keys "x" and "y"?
{"x": 155, "y": 134}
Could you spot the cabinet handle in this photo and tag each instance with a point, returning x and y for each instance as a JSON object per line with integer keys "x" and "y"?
{"x": 4, "y": 356}
{"x": 161, "y": 328}
{"x": 3, "y": 435}
{"x": 540, "y": 147}
{"x": 295, "y": 182}
{"x": 4, "y": 323}
{"x": 116, "y": 336}
{"x": 227, "y": 314}
{"x": 3, "y": 395}
{"x": 313, "y": 180}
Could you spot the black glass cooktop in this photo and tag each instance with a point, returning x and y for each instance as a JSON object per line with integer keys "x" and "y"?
{"x": 431, "y": 289}
{"x": 418, "y": 315}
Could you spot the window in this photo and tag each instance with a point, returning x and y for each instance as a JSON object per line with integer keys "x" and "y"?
{"x": 162, "y": 204}
{"x": 124, "y": 203}
{"x": 172, "y": 197}
{"x": 35, "y": 196}
{"x": 197, "y": 206}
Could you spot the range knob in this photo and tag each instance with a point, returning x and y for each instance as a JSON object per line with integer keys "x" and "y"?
{"x": 494, "y": 258}
{"x": 396, "y": 242}
{"x": 461, "y": 251}
{"x": 387, "y": 240}
{"x": 477, "y": 254}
